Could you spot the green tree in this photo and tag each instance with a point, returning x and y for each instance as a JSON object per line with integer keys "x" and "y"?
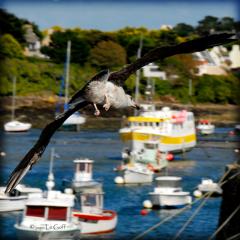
{"x": 207, "y": 25}
{"x": 108, "y": 54}
{"x": 57, "y": 48}
{"x": 10, "y": 47}
{"x": 184, "y": 30}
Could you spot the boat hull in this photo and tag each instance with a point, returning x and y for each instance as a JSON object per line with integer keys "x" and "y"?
{"x": 12, "y": 203}
{"x": 173, "y": 144}
{"x": 177, "y": 199}
{"x": 97, "y": 224}
{"x": 33, "y": 234}
{"x": 16, "y": 126}
{"x": 131, "y": 176}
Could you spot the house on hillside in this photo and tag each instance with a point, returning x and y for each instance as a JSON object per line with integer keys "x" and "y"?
{"x": 152, "y": 71}
{"x": 218, "y": 60}
{"x": 33, "y": 43}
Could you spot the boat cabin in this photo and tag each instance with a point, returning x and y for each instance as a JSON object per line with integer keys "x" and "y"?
{"x": 83, "y": 170}
{"x": 168, "y": 182}
{"x": 55, "y": 206}
{"x": 91, "y": 202}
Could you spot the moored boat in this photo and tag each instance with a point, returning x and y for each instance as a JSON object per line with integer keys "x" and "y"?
{"x": 168, "y": 193}
{"x": 92, "y": 218}
{"x": 174, "y": 131}
{"x": 208, "y": 186}
{"x": 48, "y": 216}
{"x": 15, "y": 200}
{"x": 83, "y": 176}
{"x": 205, "y": 127}
{"x": 135, "y": 173}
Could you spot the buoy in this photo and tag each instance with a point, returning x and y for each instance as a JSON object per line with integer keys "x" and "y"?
{"x": 197, "y": 193}
{"x": 170, "y": 157}
{"x": 144, "y": 212}
{"x": 2, "y": 154}
{"x": 147, "y": 204}
{"x": 119, "y": 180}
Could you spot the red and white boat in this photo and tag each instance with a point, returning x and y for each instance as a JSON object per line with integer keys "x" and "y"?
{"x": 205, "y": 127}
{"x": 92, "y": 219}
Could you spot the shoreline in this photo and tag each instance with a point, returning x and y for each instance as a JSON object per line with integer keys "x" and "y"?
{"x": 39, "y": 110}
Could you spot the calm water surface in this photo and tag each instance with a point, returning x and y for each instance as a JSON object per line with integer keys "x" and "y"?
{"x": 104, "y": 148}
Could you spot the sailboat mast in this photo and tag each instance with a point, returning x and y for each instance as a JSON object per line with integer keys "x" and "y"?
{"x": 67, "y": 72}
{"x": 13, "y": 98}
{"x": 138, "y": 71}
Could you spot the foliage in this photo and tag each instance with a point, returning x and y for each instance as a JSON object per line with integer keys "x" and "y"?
{"x": 183, "y": 30}
{"x": 107, "y": 54}
{"x": 9, "y": 47}
{"x": 92, "y": 50}
{"x": 217, "y": 89}
{"x": 58, "y": 46}
{"x": 13, "y": 25}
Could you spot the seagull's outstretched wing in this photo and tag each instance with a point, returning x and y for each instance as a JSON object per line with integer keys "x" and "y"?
{"x": 37, "y": 150}
{"x": 159, "y": 53}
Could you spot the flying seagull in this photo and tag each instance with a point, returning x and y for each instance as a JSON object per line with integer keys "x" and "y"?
{"x": 111, "y": 94}
{"x": 92, "y": 94}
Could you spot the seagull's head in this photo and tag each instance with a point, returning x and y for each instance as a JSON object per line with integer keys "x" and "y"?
{"x": 131, "y": 102}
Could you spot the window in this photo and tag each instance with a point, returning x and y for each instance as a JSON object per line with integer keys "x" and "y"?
{"x": 57, "y": 213}
{"x": 35, "y": 211}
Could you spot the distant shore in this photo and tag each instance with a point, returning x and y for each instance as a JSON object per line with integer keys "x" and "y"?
{"x": 39, "y": 110}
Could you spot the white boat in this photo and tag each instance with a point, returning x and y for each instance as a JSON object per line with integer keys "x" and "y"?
{"x": 149, "y": 155}
{"x": 168, "y": 193}
{"x": 205, "y": 127}
{"x": 172, "y": 131}
{"x": 15, "y": 200}
{"x": 135, "y": 173}
{"x": 14, "y": 125}
{"x": 92, "y": 219}
{"x": 49, "y": 215}
{"x": 207, "y": 185}
{"x": 83, "y": 179}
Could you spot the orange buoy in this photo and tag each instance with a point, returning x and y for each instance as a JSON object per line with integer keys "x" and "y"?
{"x": 170, "y": 156}
{"x": 144, "y": 212}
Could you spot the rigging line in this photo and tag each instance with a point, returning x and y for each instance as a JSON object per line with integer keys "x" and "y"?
{"x": 225, "y": 222}
{"x": 182, "y": 210}
{"x": 192, "y": 217}
{"x": 234, "y": 237}
{"x": 168, "y": 218}
{"x": 220, "y": 183}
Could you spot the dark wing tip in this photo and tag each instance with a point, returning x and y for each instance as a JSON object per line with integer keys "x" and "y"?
{"x": 16, "y": 177}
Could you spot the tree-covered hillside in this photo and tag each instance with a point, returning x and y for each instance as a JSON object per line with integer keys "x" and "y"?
{"x": 93, "y": 50}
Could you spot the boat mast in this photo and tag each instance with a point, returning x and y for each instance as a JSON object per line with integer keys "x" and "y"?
{"x": 67, "y": 73}
{"x": 13, "y": 98}
{"x": 50, "y": 182}
{"x": 138, "y": 71}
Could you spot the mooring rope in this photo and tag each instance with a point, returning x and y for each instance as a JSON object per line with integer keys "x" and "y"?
{"x": 181, "y": 211}
{"x": 234, "y": 237}
{"x": 225, "y": 222}
{"x": 220, "y": 183}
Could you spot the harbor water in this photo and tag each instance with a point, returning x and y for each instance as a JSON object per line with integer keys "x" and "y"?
{"x": 208, "y": 159}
